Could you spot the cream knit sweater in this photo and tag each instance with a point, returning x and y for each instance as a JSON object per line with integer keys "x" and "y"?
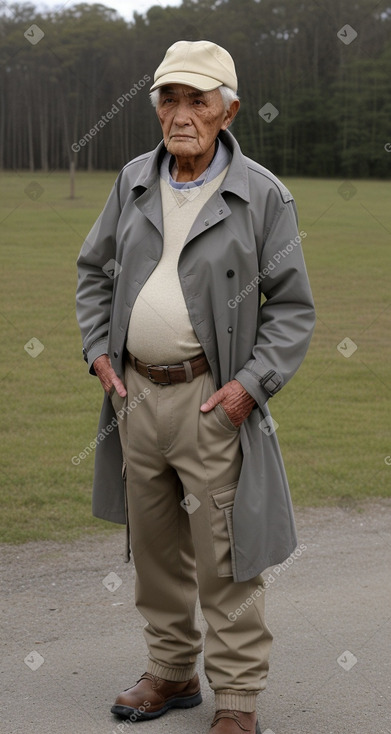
{"x": 160, "y": 331}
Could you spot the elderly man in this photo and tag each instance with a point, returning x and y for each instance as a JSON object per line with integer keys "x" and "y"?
{"x": 169, "y": 305}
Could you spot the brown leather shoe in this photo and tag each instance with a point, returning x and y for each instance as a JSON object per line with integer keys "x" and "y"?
{"x": 152, "y": 696}
{"x": 234, "y": 722}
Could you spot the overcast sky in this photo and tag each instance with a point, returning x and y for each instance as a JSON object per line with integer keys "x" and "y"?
{"x": 125, "y": 8}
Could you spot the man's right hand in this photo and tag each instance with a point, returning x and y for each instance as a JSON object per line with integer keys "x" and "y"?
{"x": 107, "y": 376}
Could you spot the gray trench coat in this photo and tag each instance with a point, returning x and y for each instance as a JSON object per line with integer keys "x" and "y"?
{"x": 244, "y": 241}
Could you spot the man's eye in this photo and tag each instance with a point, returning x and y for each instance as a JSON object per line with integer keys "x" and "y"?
{"x": 167, "y": 100}
{"x": 198, "y": 102}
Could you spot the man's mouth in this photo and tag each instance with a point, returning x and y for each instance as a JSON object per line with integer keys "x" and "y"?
{"x": 182, "y": 137}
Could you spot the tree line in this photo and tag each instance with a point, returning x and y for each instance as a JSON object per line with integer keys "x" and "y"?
{"x": 314, "y": 82}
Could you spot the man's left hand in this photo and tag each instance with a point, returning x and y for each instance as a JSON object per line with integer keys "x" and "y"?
{"x": 235, "y": 400}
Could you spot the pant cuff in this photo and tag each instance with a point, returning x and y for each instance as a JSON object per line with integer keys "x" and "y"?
{"x": 172, "y": 674}
{"x": 236, "y": 701}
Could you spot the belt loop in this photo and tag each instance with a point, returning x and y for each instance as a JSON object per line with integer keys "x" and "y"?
{"x": 132, "y": 360}
{"x": 188, "y": 371}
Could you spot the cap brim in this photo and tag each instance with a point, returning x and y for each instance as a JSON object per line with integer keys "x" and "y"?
{"x": 198, "y": 81}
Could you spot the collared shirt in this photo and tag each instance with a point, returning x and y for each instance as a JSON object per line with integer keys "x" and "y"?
{"x": 221, "y": 159}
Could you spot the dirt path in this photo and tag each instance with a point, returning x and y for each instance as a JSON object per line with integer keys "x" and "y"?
{"x": 70, "y": 642}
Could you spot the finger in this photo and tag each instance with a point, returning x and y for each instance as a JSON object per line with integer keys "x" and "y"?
{"x": 119, "y": 386}
{"x": 212, "y": 401}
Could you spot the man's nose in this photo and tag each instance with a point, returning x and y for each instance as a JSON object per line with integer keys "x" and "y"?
{"x": 182, "y": 114}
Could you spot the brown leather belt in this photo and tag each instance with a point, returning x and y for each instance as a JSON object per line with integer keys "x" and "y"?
{"x": 170, "y": 374}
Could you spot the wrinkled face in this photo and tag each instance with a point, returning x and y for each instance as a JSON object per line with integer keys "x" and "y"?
{"x": 191, "y": 119}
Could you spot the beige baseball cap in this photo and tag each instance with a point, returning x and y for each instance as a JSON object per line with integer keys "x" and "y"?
{"x": 200, "y": 64}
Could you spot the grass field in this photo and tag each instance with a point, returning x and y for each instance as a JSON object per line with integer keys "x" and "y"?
{"x": 334, "y": 425}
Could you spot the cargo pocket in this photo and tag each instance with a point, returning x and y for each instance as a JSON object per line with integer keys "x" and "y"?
{"x": 221, "y": 509}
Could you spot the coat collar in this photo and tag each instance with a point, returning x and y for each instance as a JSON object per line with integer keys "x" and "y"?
{"x": 236, "y": 180}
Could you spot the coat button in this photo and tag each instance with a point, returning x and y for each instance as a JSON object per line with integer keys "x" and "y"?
{"x": 230, "y": 273}
{"x": 206, "y": 222}
{"x": 116, "y": 355}
{"x": 230, "y": 330}
{"x": 221, "y": 211}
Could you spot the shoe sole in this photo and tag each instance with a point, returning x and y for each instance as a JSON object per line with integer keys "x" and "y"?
{"x": 126, "y": 712}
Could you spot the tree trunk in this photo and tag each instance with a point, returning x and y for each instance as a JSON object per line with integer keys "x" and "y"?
{"x": 72, "y": 179}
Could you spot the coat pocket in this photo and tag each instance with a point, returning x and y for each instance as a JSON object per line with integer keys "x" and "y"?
{"x": 221, "y": 508}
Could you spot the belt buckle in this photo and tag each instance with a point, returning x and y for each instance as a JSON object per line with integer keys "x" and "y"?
{"x": 158, "y": 367}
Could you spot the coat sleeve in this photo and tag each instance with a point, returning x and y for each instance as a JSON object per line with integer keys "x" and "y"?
{"x": 97, "y": 269}
{"x": 287, "y": 316}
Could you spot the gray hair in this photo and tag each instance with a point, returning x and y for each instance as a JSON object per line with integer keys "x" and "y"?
{"x": 227, "y": 94}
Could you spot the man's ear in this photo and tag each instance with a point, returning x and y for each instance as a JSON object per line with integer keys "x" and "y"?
{"x": 230, "y": 114}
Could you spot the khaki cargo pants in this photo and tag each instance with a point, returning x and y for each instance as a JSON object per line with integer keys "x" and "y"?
{"x": 182, "y": 470}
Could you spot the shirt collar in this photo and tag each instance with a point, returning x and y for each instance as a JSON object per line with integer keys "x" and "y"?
{"x": 221, "y": 159}
{"x": 236, "y": 180}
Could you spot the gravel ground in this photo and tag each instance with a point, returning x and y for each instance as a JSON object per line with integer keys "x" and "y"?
{"x": 71, "y": 642}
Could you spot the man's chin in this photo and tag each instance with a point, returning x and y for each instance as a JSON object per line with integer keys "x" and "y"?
{"x": 182, "y": 147}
